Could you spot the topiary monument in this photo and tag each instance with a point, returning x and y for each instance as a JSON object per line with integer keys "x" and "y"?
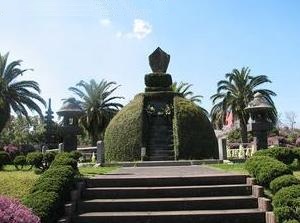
{"x": 169, "y": 126}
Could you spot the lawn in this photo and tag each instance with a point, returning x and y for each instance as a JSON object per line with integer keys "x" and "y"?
{"x": 14, "y": 183}
{"x": 90, "y": 171}
{"x": 232, "y": 167}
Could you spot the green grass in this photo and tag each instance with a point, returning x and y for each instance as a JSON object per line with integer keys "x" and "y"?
{"x": 16, "y": 183}
{"x": 234, "y": 167}
{"x": 92, "y": 171}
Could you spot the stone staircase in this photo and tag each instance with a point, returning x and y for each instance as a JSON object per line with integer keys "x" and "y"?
{"x": 208, "y": 199}
{"x": 160, "y": 143}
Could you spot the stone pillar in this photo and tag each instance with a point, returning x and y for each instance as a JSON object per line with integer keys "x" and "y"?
{"x": 44, "y": 149}
{"x": 60, "y": 147}
{"x": 143, "y": 153}
{"x": 222, "y": 148}
{"x": 100, "y": 153}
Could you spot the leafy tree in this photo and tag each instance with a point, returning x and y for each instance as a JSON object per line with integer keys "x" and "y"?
{"x": 19, "y": 131}
{"x": 98, "y": 103}
{"x": 234, "y": 94}
{"x": 184, "y": 90}
{"x": 16, "y": 95}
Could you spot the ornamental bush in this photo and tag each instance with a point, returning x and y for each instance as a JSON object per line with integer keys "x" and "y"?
{"x": 47, "y": 205}
{"x": 285, "y": 155}
{"x": 283, "y": 181}
{"x": 35, "y": 159}
{"x": 4, "y": 159}
{"x": 287, "y": 202}
{"x": 265, "y": 169}
{"x": 63, "y": 159}
{"x": 12, "y": 211}
{"x": 19, "y": 162}
{"x": 292, "y": 221}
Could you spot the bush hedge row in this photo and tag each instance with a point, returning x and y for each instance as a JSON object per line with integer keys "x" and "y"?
{"x": 4, "y": 159}
{"x": 265, "y": 169}
{"x": 52, "y": 189}
{"x": 285, "y": 155}
{"x": 283, "y": 181}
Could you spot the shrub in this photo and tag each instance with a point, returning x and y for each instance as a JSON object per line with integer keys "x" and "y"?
{"x": 48, "y": 159}
{"x": 287, "y": 202}
{"x": 292, "y": 221}
{"x": 4, "y": 159}
{"x": 35, "y": 159}
{"x": 283, "y": 181}
{"x": 64, "y": 159}
{"x": 285, "y": 155}
{"x": 265, "y": 169}
{"x": 47, "y": 205}
{"x": 12, "y": 211}
{"x": 76, "y": 155}
{"x": 12, "y": 151}
{"x": 20, "y": 162}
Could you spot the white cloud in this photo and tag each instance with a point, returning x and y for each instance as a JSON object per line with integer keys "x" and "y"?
{"x": 105, "y": 22}
{"x": 141, "y": 29}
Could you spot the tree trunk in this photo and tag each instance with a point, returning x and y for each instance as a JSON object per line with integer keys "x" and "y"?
{"x": 244, "y": 132}
{"x": 4, "y": 116}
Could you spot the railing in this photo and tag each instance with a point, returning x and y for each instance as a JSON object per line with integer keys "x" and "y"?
{"x": 243, "y": 151}
{"x": 88, "y": 152}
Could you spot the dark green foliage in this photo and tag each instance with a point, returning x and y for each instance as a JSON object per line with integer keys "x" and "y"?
{"x": 265, "y": 169}
{"x": 123, "y": 136}
{"x": 48, "y": 159}
{"x": 46, "y": 205}
{"x": 76, "y": 155}
{"x": 158, "y": 80}
{"x": 52, "y": 189}
{"x": 20, "y": 162}
{"x": 64, "y": 159}
{"x": 285, "y": 155}
{"x": 283, "y": 181}
{"x": 194, "y": 137}
{"x": 35, "y": 159}
{"x": 4, "y": 159}
{"x": 287, "y": 202}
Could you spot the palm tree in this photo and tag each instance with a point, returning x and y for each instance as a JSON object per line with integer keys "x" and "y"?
{"x": 16, "y": 95}
{"x": 234, "y": 94}
{"x": 98, "y": 104}
{"x": 184, "y": 90}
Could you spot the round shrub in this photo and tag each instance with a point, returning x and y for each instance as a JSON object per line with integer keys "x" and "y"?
{"x": 287, "y": 202}
{"x": 12, "y": 211}
{"x": 35, "y": 159}
{"x": 283, "y": 181}
{"x": 265, "y": 169}
{"x": 48, "y": 158}
{"x": 285, "y": 155}
{"x": 20, "y": 162}
{"x": 4, "y": 159}
{"x": 76, "y": 155}
{"x": 64, "y": 159}
{"x": 47, "y": 205}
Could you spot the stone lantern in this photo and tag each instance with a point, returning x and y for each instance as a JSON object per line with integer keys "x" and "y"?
{"x": 259, "y": 123}
{"x": 71, "y": 112}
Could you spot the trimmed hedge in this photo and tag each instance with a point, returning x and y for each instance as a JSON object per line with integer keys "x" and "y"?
{"x": 283, "y": 181}
{"x": 285, "y": 155}
{"x": 286, "y": 203}
{"x": 52, "y": 189}
{"x": 123, "y": 135}
{"x": 20, "y": 162}
{"x": 35, "y": 159}
{"x": 265, "y": 169}
{"x": 194, "y": 137}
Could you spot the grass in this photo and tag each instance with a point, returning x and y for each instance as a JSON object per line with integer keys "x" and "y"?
{"x": 233, "y": 167}
{"x": 90, "y": 171}
{"x": 16, "y": 183}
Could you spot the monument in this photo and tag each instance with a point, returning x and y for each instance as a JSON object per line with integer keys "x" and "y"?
{"x": 70, "y": 111}
{"x": 160, "y": 120}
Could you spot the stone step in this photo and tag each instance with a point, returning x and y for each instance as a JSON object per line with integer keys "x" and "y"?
{"x": 167, "y": 192}
{"x": 207, "y": 216}
{"x": 168, "y": 204}
{"x": 161, "y": 157}
{"x": 161, "y": 152}
{"x": 152, "y": 181}
{"x": 160, "y": 141}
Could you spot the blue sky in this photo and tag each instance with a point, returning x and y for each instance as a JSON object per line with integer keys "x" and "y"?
{"x": 66, "y": 41}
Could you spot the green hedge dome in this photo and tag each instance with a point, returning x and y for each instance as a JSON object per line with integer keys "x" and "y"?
{"x": 123, "y": 135}
{"x": 194, "y": 137}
